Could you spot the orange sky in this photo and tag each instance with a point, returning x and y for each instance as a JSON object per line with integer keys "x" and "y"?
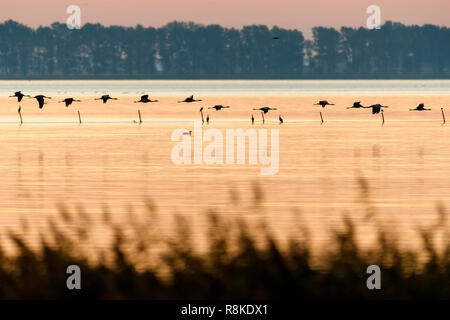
{"x": 299, "y": 14}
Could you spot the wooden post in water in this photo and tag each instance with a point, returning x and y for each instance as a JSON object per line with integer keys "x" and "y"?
{"x": 79, "y": 116}
{"x": 382, "y": 115}
{"x": 20, "y": 115}
{"x": 443, "y": 115}
{"x": 140, "y": 118}
{"x": 201, "y": 112}
{"x": 321, "y": 118}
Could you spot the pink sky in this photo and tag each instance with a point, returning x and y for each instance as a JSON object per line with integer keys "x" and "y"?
{"x": 298, "y": 14}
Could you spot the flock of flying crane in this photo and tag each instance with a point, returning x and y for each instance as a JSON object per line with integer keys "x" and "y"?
{"x": 376, "y": 108}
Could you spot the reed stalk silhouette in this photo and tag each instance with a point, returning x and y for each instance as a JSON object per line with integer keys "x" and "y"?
{"x": 139, "y": 264}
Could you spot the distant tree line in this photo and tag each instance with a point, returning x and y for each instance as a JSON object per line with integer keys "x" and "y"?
{"x": 188, "y": 50}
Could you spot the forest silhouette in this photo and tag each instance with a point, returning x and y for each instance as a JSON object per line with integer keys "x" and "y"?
{"x": 189, "y": 50}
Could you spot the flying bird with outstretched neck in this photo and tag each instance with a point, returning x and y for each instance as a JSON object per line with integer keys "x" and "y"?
{"x": 190, "y": 99}
{"x": 420, "y": 107}
{"x": 265, "y": 109}
{"x": 105, "y": 98}
{"x": 356, "y": 105}
{"x": 19, "y": 95}
{"x": 145, "y": 99}
{"x": 41, "y": 100}
{"x": 219, "y": 107}
{"x": 69, "y": 101}
{"x": 376, "y": 108}
{"x": 324, "y": 103}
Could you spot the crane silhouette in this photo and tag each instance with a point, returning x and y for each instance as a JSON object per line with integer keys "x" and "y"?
{"x": 41, "y": 100}
{"x": 69, "y": 101}
{"x": 145, "y": 99}
{"x": 19, "y": 96}
{"x": 376, "y": 108}
{"x": 201, "y": 112}
{"x": 324, "y": 103}
{"x": 218, "y": 107}
{"x": 105, "y": 98}
{"x": 356, "y": 104}
{"x": 189, "y": 99}
{"x": 265, "y": 109}
{"x": 420, "y": 107}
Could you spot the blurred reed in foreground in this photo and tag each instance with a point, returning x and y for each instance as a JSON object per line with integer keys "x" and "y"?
{"x": 138, "y": 264}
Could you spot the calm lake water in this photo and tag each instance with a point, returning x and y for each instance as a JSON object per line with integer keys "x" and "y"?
{"x": 228, "y": 87}
{"x": 350, "y": 166}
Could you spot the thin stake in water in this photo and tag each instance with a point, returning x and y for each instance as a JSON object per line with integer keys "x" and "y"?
{"x": 382, "y": 115}
{"x": 140, "y": 118}
{"x": 20, "y": 115}
{"x": 79, "y": 116}
{"x": 443, "y": 115}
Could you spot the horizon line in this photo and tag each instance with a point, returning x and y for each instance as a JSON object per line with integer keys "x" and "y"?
{"x": 221, "y": 25}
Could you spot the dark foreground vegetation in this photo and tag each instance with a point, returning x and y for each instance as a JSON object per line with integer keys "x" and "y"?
{"x": 188, "y": 50}
{"x": 233, "y": 267}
